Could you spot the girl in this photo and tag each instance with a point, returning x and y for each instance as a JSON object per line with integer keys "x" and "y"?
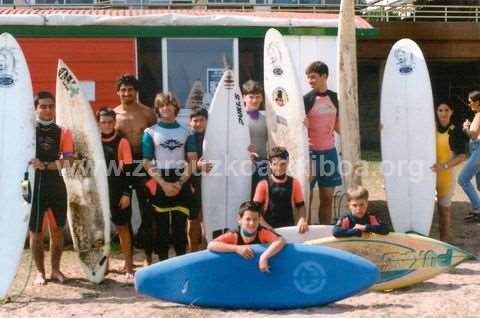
{"x": 450, "y": 153}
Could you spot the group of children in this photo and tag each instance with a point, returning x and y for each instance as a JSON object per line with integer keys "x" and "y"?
{"x": 168, "y": 186}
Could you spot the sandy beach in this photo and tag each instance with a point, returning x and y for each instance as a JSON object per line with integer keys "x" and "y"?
{"x": 454, "y": 294}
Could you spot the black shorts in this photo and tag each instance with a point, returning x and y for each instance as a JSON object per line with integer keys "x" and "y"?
{"x": 49, "y": 191}
{"x": 117, "y": 215}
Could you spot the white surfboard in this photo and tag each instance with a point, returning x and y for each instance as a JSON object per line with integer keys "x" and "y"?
{"x": 291, "y": 235}
{"x": 408, "y": 138}
{"x": 285, "y": 111}
{"x": 87, "y": 187}
{"x": 17, "y": 148}
{"x": 225, "y": 145}
{"x": 195, "y": 96}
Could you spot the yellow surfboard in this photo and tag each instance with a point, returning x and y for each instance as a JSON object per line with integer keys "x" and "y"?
{"x": 403, "y": 259}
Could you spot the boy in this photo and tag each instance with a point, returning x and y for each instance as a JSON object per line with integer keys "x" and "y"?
{"x": 198, "y": 123}
{"x": 165, "y": 146}
{"x": 253, "y": 97}
{"x": 118, "y": 157}
{"x": 321, "y": 108}
{"x": 279, "y": 194}
{"x": 54, "y": 150}
{"x": 358, "y": 221}
{"x": 250, "y": 232}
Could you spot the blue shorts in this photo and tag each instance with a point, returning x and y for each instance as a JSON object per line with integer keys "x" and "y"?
{"x": 325, "y": 169}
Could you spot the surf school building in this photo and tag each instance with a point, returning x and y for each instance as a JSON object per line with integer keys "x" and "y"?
{"x": 167, "y": 49}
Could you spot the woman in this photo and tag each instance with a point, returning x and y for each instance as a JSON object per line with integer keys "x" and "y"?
{"x": 450, "y": 153}
{"x": 471, "y": 168}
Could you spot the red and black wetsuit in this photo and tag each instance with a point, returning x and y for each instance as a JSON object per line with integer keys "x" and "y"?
{"x": 118, "y": 158}
{"x": 49, "y": 191}
{"x": 279, "y": 196}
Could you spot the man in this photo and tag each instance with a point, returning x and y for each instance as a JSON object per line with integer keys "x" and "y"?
{"x": 132, "y": 119}
{"x": 54, "y": 149}
{"x": 321, "y": 108}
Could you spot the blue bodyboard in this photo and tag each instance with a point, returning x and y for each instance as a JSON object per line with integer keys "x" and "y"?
{"x": 300, "y": 276}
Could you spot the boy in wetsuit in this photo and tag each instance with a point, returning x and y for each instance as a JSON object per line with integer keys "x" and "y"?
{"x": 198, "y": 123}
{"x": 358, "y": 220}
{"x": 280, "y": 194}
{"x": 118, "y": 157}
{"x": 165, "y": 146}
{"x": 250, "y": 232}
{"x": 253, "y": 97}
{"x": 321, "y": 109}
{"x": 54, "y": 148}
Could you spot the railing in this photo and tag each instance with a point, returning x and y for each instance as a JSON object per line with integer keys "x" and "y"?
{"x": 374, "y": 12}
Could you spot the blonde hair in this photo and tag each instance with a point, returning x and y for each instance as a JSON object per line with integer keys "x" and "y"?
{"x": 357, "y": 193}
{"x": 166, "y": 98}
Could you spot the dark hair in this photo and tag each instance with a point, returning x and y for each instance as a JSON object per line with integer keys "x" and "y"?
{"x": 358, "y": 193}
{"x": 127, "y": 80}
{"x": 252, "y": 87}
{"x": 42, "y": 95}
{"x": 474, "y": 96}
{"x": 250, "y": 206}
{"x": 198, "y": 111}
{"x": 166, "y": 98}
{"x": 105, "y": 112}
{"x": 317, "y": 67}
{"x": 278, "y": 152}
{"x": 443, "y": 101}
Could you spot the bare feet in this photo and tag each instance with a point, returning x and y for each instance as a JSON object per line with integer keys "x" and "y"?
{"x": 40, "y": 279}
{"x": 58, "y": 277}
{"x": 147, "y": 261}
{"x": 129, "y": 276}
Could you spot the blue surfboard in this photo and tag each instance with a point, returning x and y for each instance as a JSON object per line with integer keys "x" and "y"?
{"x": 300, "y": 276}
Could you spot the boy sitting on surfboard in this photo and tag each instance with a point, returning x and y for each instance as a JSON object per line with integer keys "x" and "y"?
{"x": 250, "y": 232}
{"x": 279, "y": 194}
{"x": 358, "y": 220}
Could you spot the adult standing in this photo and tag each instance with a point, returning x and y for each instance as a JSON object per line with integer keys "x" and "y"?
{"x": 471, "y": 167}
{"x": 450, "y": 141}
{"x": 321, "y": 109}
{"x": 132, "y": 119}
{"x": 54, "y": 148}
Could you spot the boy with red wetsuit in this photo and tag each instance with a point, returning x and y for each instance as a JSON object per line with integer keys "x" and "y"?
{"x": 249, "y": 232}
{"x": 54, "y": 148}
{"x": 279, "y": 194}
{"x": 118, "y": 158}
{"x": 358, "y": 220}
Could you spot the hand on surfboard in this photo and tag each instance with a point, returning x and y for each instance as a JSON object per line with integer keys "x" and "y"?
{"x": 124, "y": 202}
{"x": 204, "y": 165}
{"x": 302, "y": 226}
{"x": 253, "y": 154}
{"x": 263, "y": 264}
{"x": 37, "y": 164}
{"x": 245, "y": 251}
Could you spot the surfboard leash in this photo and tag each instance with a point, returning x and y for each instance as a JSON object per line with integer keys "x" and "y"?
{"x": 27, "y": 195}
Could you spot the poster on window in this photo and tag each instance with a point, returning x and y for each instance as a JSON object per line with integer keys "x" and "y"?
{"x": 214, "y": 75}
